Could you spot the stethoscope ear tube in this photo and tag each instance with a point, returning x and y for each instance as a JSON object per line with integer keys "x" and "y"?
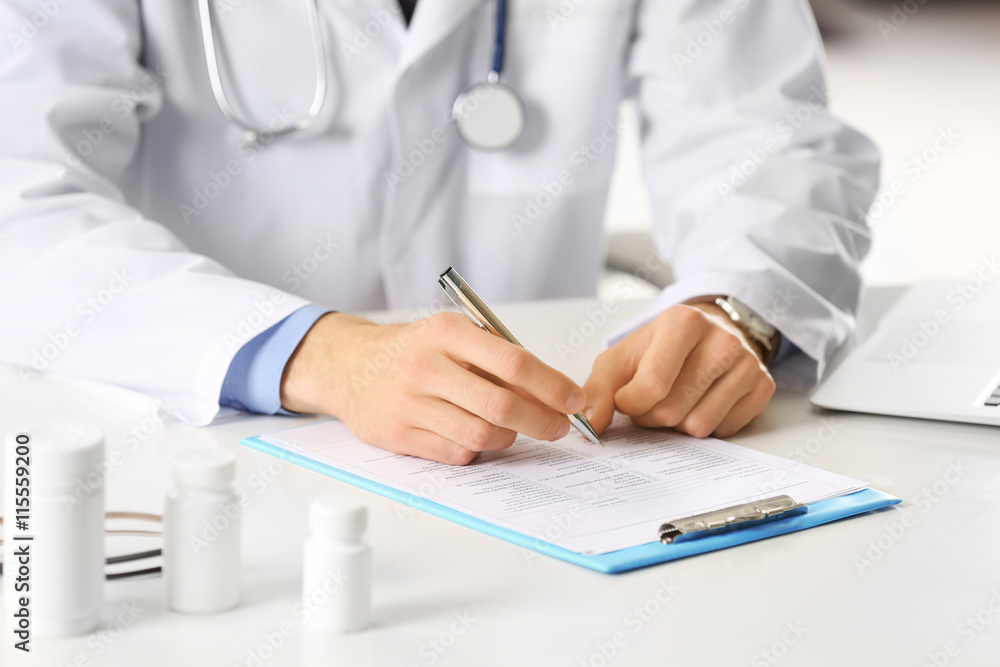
{"x": 252, "y": 134}
{"x": 500, "y": 39}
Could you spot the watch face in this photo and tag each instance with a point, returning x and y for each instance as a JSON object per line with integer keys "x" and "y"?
{"x": 755, "y": 324}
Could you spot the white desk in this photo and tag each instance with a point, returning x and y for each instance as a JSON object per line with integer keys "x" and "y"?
{"x": 520, "y": 608}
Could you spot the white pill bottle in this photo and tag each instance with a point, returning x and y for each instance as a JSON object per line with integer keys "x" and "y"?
{"x": 53, "y": 529}
{"x": 201, "y": 533}
{"x": 336, "y": 568}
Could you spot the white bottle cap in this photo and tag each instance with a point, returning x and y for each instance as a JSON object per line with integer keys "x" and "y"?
{"x": 210, "y": 468}
{"x": 338, "y": 518}
{"x": 63, "y": 453}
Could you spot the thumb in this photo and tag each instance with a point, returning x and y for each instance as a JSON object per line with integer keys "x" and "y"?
{"x": 611, "y": 372}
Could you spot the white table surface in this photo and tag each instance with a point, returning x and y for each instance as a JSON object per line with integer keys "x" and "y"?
{"x": 916, "y": 595}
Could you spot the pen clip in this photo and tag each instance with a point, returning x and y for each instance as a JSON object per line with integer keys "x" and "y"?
{"x": 453, "y": 294}
{"x": 467, "y": 301}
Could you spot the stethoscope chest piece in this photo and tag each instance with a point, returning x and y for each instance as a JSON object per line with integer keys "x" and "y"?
{"x": 489, "y": 116}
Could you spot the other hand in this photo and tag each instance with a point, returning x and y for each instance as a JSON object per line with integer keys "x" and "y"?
{"x": 691, "y": 369}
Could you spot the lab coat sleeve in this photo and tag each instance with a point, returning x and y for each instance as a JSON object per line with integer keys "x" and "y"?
{"x": 89, "y": 288}
{"x": 757, "y": 191}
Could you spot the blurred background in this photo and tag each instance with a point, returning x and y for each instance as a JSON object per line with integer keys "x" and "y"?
{"x": 940, "y": 69}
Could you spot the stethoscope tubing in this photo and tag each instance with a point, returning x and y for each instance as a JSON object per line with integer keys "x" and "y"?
{"x": 252, "y": 132}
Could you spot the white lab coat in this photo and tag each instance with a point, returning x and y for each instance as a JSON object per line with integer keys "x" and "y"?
{"x": 142, "y": 245}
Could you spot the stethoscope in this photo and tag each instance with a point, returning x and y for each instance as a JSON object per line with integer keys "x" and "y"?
{"x": 488, "y": 116}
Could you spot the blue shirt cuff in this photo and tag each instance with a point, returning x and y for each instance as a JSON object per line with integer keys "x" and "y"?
{"x": 253, "y": 382}
{"x": 786, "y": 348}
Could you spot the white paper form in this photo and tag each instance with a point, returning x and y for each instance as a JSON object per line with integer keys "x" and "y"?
{"x": 577, "y": 495}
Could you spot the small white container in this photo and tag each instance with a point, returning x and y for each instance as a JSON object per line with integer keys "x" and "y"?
{"x": 336, "y": 568}
{"x": 201, "y": 533}
{"x": 61, "y": 569}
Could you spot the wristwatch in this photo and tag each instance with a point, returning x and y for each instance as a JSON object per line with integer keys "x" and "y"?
{"x": 753, "y": 325}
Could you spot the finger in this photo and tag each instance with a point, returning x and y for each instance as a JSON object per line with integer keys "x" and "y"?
{"x": 428, "y": 445}
{"x": 675, "y": 336}
{"x": 746, "y": 409}
{"x": 497, "y": 405}
{"x": 460, "y": 426}
{"x": 511, "y": 363}
{"x": 713, "y": 358}
{"x": 612, "y": 369}
{"x": 724, "y": 393}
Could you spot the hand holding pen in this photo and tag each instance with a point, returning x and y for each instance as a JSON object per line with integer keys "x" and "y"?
{"x": 440, "y": 388}
{"x": 467, "y": 301}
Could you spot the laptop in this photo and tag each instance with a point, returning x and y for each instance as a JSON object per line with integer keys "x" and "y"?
{"x": 935, "y": 354}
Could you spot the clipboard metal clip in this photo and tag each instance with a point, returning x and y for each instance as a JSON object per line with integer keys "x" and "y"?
{"x": 739, "y": 516}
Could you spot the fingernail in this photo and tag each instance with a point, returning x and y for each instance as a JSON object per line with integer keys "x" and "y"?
{"x": 576, "y": 402}
{"x": 588, "y": 412}
{"x": 563, "y": 430}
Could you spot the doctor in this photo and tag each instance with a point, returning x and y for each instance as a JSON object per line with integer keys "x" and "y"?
{"x": 194, "y": 194}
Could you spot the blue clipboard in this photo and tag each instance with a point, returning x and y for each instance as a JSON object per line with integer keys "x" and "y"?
{"x": 616, "y": 561}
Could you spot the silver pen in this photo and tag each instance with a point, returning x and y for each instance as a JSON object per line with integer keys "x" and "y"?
{"x": 467, "y": 301}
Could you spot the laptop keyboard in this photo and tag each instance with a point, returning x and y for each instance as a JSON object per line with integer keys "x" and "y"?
{"x": 994, "y": 398}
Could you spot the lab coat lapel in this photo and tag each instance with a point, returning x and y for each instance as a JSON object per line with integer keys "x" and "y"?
{"x": 432, "y": 22}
